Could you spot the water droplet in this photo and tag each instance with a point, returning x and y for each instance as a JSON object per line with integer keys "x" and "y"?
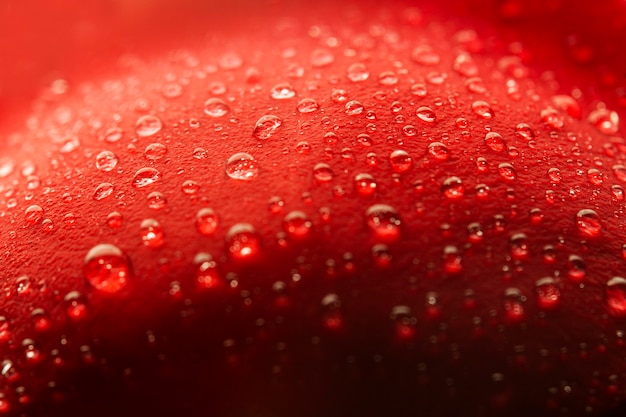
{"x": 555, "y": 175}
{"x": 297, "y": 225}
{"x": 606, "y": 121}
{"x": 453, "y": 188}
{"x": 384, "y": 221}
{"x": 216, "y": 107}
{"x": 323, "y": 172}
{"x": 400, "y": 161}
{"x": 552, "y": 118}
{"x": 102, "y": 191}
{"x": 438, "y": 151}
{"x": 365, "y": 184}
{"x": 338, "y": 95}
{"x": 75, "y": 306}
{"x": 518, "y": 246}
{"x": 106, "y": 161}
{"x": 148, "y": 125}
{"x": 387, "y": 78}
{"x": 307, "y": 105}
{"x": 151, "y": 233}
{"x": 475, "y": 232}
{"x": 190, "y": 187}
{"x": 155, "y": 151}
{"x": 452, "y": 260}
{"x": 576, "y": 268}
{"x": 145, "y": 177}
{"x": 358, "y": 72}
{"x": 282, "y": 91}
{"x": 106, "y": 268}
{"x": 419, "y": 90}
{"x": 615, "y": 293}
{"x": 424, "y": 55}
{"x": 476, "y": 85}
{"x": 404, "y": 322}
{"x": 243, "y": 242}
{"x": 321, "y": 57}
{"x": 594, "y": 176}
{"x": 332, "y": 318}
{"x": 242, "y": 166}
{"x": 426, "y": 114}
{"x": 514, "y": 305}
{"x": 524, "y": 131}
{"x": 266, "y": 126}
{"x": 206, "y": 221}
{"x": 548, "y": 293}
{"x": 33, "y": 214}
{"x": 507, "y": 171}
{"x": 172, "y": 90}
{"x": 482, "y": 109}
{"x": 114, "y": 220}
{"x": 354, "y": 108}
{"x": 381, "y": 255}
{"x": 113, "y": 135}
{"x": 495, "y": 142}
{"x": 276, "y": 204}
{"x": 568, "y": 104}
{"x": 588, "y": 222}
{"x": 465, "y": 65}
{"x": 207, "y": 274}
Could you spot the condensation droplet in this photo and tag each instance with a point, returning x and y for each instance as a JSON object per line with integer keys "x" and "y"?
{"x": 155, "y": 151}
{"x": 606, "y": 121}
{"x": 548, "y": 293}
{"x": 507, "y": 171}
{"x": 384, "y": 221}
{"x": 206, "y": 221}
{"x": 243, "y": 242}
{"x": 519, "y": 246}
{"x": 514, "y": 305}
{"x": 482, "y": 109}
{"x": 151, "y": 233}
{"x": 216, "y": 107}
{"x": 145, "y": 177}
{"x": 297, "y": 225}
{"x": 588, "y": 222}
{"x": 156, "y": 200}
{"x": 615, "y": 293}
{"x": 364, "y": 184}
{"x": 307, "y": 105}
{"x": 323, "y": 172}
{"x": 148, "y": 125}
{"x": 266, "y": 126}
{"x": 453, "y": 188}
{"x": 495, "y": 142}
{"x": 242, "y": 166}
{"x": 400, "y": 161}
{"x": 358, "y": 72}
{"x": 282, "y": 91}
{"x": 103, "y": 191}
{"x": 426, "y": 114}
{"x": 106, "y": 161}
{"x": 106, "y": 268}
{"x": 33, "y": 214}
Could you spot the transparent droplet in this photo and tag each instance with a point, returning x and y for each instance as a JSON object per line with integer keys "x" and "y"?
{"x": 103, "y": 191}
{"x": 568, "y": 104}
{"x": 400, "y": 161}
{"x": 321, "y": 57}
{"x": 216, "y": 107}
{"x": 588, "y": 222}
{"x": 266, "y": 126}
{"x": 476, "y": 85}
{"x": 156, "y": 200}
{"x": 207, "y": 273}
{"x": 482, "y": 109}
{"x": 113, "y": 135}
{"x": 106, "y": 161}
{"x": 206, "y": 221}
{"x": 465, "y": 65}
{"x": 615, "y": 293}
{"x": 387, "y": 78}
{"x": 384, "y": 221}
{"x": 297, "y": 225}
{"x": 307, "y": 105}
{"x": 364, "y": 184}
{"x": 242, "y": 166}
{"x": 190, "y": 187}
{"x": 33, "y": 214}
{"x": 507, "y": 171}
{"x": 495, "y": 142}
{"x": 114, "y": 220}
{"x": 358, "y": 72}
{"x": 106, "y": 268}
{"x": 524, "y": 131}
{"x": 381, "y": 255}
{"x": 424, "y": 55}
{"x": 243, "y": 242}
{"x": 148, "y": 125}
{"x": 548, "y": 293}
{"x": 145, "y": 177}
{"x": 426, "y": 114}
{"x": 404, "y": 322}
{"x": 594, "y": 176}
{"x": 606, "y": 121}
{"x": 332, "y": 318}
{"x": 519, "y": 246}
{"x": 453, "y": 188}
{"x": 576, "y": 267}
{"x": 75, "y": 306}
{"x": 151, "y": 233}
{"x": 552, "y": 118}
{"x": 172, "y": 90}
{"x": 323, "y": 172}
{"x": 282, "y": 91}
{"x": 452, "y": 260}
{"x": 155, "y": 151}
{"x": 354, "y": 108}
{"x": 339, "y": 95}
{"x": 514, "y": 302}
{"x": 555, "y": 175}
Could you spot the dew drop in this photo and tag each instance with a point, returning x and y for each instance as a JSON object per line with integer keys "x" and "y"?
{"x": 155, "y": 151}
{"x": 148, "y": 125}
{"x": 190, "y": 187}
{"x": 518, "y": 246}
{"x": 615, "y": 293}
{"x": 145, "y": 177}
{"x": 266, "y": 126}
{"x": 242, "y": 242}
{"x": 297, "y": 225}
{"x": 282, "y": 91}
{"x": 103, "y": 191}
{"x": 364, "y": 184}
{"x": 465, "y": 65}
{"x": 106, "y": 161}
{"x": 452, "y": 260}
{"x": 381, "y": 255}
{"x": 594, "y": 176}
{"x": 151, "y": 233}
{"x": 552, "y": 118}
{"x": 514, "y": 305}
{"x": 206, "y": 221}
{"x": 106, "y": 268}
{"x": 113, "y": 135}
{"x": 307, "y": 105}
{"x": 524, "y": 131}
{"x": 400, "y": 161}
{"x": 321, "y": 57}
{"x": 242, "y": 166}
{"x": 588, "y": 222}
{"x": 453, "y": 188}
{"x": 156, "y": 200}
{"x": 383, "y": 221}
{"x": 424, "y": 55}
{"x": 404, "y": 322}
{"x": 33, "y": 214}
{"x": 548, "y": 293}
{"x": 216, "y": 107}
{"x": 606, "y": 121}
{"x": 507, "y": 171}
{"x": 576, "y": 268}
{"x": 358, "y": 72}
{"x": 555, "y": 175}
{"x": 75, "y": 306}
{"x": 114, "y": 220}
{"x": 482, "y": 109}
{"x": 207, "y": 274}
{"x": 323, "y": 172}
{"x": 495, "y": 142}
{"x": 426, "y": 114}
{"x": 354, "y": 108}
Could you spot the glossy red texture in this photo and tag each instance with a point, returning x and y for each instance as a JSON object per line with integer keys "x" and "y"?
{"x": 480, "y": 277}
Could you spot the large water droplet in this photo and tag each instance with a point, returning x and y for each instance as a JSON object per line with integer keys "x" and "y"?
{"x": 524, "y": 131}
{"x": 323, "y": 172}
{"x": 364, "y": 184}
{"x": 206, "y": 221}
{"x": 33, "y": 214}
{"x": 106, "y": 268}
{"x": 102, "y": 191}
{"x": 400, "y": 161}
{"x": 495, "y": 142}
{"x": 615, "y": 293}
{"x": 151, "y": 233}
{"x": 453, "y": 188}
{"x": 242, "y": 166}
{"x": 588, "y": 222}
{"x": 145, "y": 177}
{"x": 297, "y": 225}
{"x": 548, "y": 293}
{"x": 155, "y": 151}
{"x": 426, "y": 114}
{"x": 482, "y": 109}
{"x": 243, "y": 242}
{"x": 106, "y": 161}
{"x": 148, "y": 125}
{"x": 358, "y": 72}
{"x": 216, "y": 107}
{"x": 606, "y": 121}
{"x": 552, "y": 118}
{"x": 384, "y": 221}
{"x": 266, "y": 126}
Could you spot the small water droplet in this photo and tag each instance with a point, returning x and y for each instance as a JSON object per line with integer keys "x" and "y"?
{"x": 404, "y": 322}
{"x": 426, "y": 114}
{"x": 495, "y": 142}
{"x": 381, "y": 255}
{"x": 548, "y": 293}
{"x": 242, "y": 166}
{"x": 207, "y": 274}
{"x": 465, "y": 65}
{"x": 615, "y": 293}
{"x": 151, "y": 233}
{"x": 400, "y": 161}
{"x": 514, "y": 305}
{"x": 156, "y": 200}
{"x": 282, "y": 91}
{"x": 555, "y": 175}
{"x": 148, "y": 125}
{"x": 507, "y": 171}
{"x": 206, "y": 221}
{"x": 519, "y": 246}
{"x": 524, "y": 131}
{"x": 307, "y": 105}
{"x": 358, "y": 72}
{"x": 75, "y": 306}
{"x": 384, "y": 221}
{"x": 216, "y": 107}
{"x": 145, "y": 177}
{"x": 453, "y": 188}
{"x": 438, "y": 151}
{"x": 297, "y": 225}
{"x": 106, "y": 268}
{"x": 321, "y": 57}
{"x": 365, "y": 184}
{"x": 113, "y": 135}
{"x": 424, "y": 55}
{"x": 482, "y": 109}
{"x": 354, "y": 108}
{"x": 606, "y": 121}
{"x": 552, "y": 118}
{"x": 588, "y": 222}
{"x": 106, "y": 161}
{"x": 266, "y": 126}
{"x": 323, "y": 172}
{"x": 33, "y": 214}
{"x": 576, "y": 268}
{"x": 243, "y": 242}
{"x": 114, "y": 220}
{"x": 332, "y": 318}
{"x": 103, "y": 191}
{"x": 594, "y": 176}
{"x": 155, "y": 151}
